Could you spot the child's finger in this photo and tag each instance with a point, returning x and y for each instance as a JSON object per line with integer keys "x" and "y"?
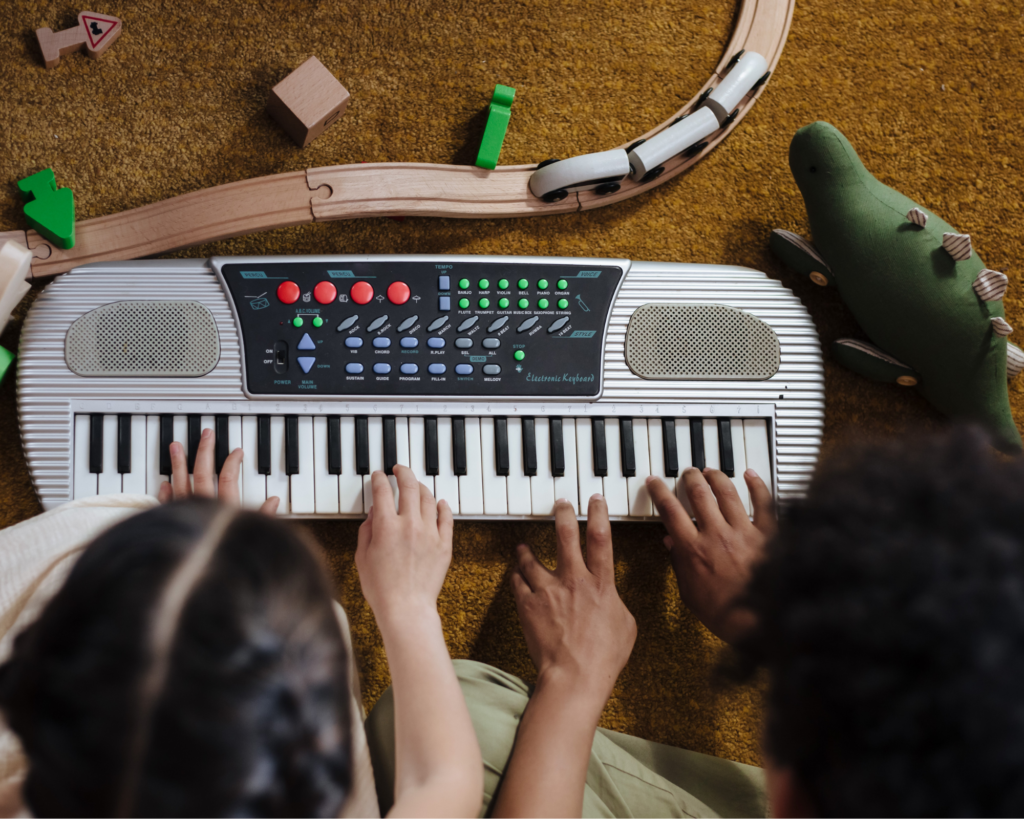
{"x": 270, "y": 505}
{"x": 762, "y": 502}
{"x": 227, "y": 484}
{"x": 180, "y": 483}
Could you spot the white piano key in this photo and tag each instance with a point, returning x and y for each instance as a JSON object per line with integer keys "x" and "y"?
{"x": 759, "y": 458}
{"x": 616, "y": 492}
{"x": 109, "y": 478}
{"x": 518, "y": 482}
{"x": 254, "y": 485}
{"x": 375, "y": 441}
{"x": 153, "y": 477}
{"x": 636, "y": 487}
{"x": 471, "y": 485}
{"x": 325, "y": 485}
{"x": 739, "y": 459}
{"x": 566, "y": 486}
{"x": 447, "y": 482}
{"x": 209, "y": 422}
{"x": 277, "y": 480}
{"x": 350, "y": 482}
{"x": 656, "y": 444}
{"x": 495, "y": 486}
{"x": 134, "y": 482}
{"x": 589, "y": 483}
{"x": 685, "y": 455}
{"x": 180, "y": 434}
{"x": 712, "y": 460}
{"x": 401, "y": 452}
{"x": 85, "y": 481}
{"x": 302, "y": 486}
{"x": 542, "y": 485}
{"x": 235, "y": 442}
{"x": 418, "y": 451}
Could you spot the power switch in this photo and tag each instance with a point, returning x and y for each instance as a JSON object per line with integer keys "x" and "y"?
{"x": 280, "y": 356}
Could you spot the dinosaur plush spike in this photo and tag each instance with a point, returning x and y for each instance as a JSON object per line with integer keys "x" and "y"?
{"x": 1014, "y": 360}
{"x": 991, "y": 285}
{"x": 897, "y": 272}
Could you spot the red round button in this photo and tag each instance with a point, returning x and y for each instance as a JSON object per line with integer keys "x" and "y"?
{"x": 398, "y": 293}
{"x": 288, "y": 292}
{"x": 325, "y": 292}
{"x": 361, "y": 292}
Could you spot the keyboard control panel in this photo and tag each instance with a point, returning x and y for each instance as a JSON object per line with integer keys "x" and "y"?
{"x": 420, "y": 328}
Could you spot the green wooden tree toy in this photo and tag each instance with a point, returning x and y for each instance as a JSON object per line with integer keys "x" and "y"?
{"x": 932, "y": 310}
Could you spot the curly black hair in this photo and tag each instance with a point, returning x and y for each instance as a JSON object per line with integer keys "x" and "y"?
{"x": 158, "y": 684}
{"x": 890, "y": 617}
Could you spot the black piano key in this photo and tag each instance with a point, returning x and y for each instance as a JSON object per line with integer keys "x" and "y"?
{"x": 263, "y": 444}
{"x": 459, "y": 445}
{"x": 390, "y": 445}
{"x": 697, "y": 442}
{"x": 362, "y": 445}
{"x": 501, "y": 459}
{"x": 430, "y": 463}
{"x": 333, "y": 444}
{"x": 626, "y": 447}
{"x": 195, "y": 431}
{"x": 600, "y": 448}
{"x": 668, "y": 439}
{"x": 557, "y": 450}
{"x": 291, "y": 445}
{"x": 529, "y": 446}
{"x": 124, "y": 443}
{"x": 725, "y": 446}
{"x": 96, "y": 443}
{"x": 222, "y": 445}
{"x": 166, "y": 437}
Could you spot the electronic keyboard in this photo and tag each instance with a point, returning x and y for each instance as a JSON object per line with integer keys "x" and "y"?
{"x": 504, "y": 382}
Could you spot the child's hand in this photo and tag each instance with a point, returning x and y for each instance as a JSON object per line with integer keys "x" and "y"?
{"x": 713, "y": 559}
{"x": 577, "y": 628}
{"x": 204, "y": 479}
{"x": 403, "y": 556}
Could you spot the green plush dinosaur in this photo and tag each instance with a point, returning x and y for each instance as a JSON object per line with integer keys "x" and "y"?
{"x": 932, "y": 310}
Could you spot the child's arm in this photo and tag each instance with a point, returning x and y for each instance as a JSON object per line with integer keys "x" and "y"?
{"x": 713, "y": 559}
{"x": 402, "y": 558}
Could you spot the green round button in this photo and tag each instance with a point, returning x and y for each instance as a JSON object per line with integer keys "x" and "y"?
{"x": 503, "y": 284}
{"x": 318, "y": 322}
{"x": 563, "y": 303}
{"x": 484, "y": 303}
{"x": 518, "y": 355}
{"x": 463, "y": 304}
{"x": 523, "y": 284}
{"x": 542, "y": 284}
{"x": 524, "y": 303}
{"x": 463, "y": 284}
{"x": 503, "y": 304}
{"x": 483, "y": 284}
{"x": 297, "y": 321}
{"x": 563, "y": 284}
{"x": 543, "y": 304}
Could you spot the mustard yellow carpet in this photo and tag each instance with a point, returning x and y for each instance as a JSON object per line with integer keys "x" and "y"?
{"x": 931, "y": 93}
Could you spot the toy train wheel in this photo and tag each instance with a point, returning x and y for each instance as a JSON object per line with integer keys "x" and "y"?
{"x": 635, "y": 145}
{"x": 704, "y": 95}
{"x": 695, "y": 149}
{"x": 547, "y": 162}
{"x": 555, "y": 196}
{"x": 761, "y": 81}
{"x": 606, "y": 188}
{"x": 730, "y": 119}
{"x": 678, "y": 119}
{"x": 652, "y": 174}
{"x": 735, "y": 58}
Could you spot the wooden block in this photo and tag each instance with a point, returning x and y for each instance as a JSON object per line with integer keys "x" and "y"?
{"x": 307, "y": 101}
{"x": 56, "y": 45}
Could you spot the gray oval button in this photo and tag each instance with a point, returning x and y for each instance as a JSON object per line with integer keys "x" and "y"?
{"x": 468, "y": 323}
{"x": 377, "y": 323}
{"x": 463, "y": 343}
{"x": 347, "y": 323}
{"x": 436, "y": 324}
{"x": 497, "y": 324}
{"x": 492, "y": 369}
{"x": 558, "y": 324}
{"x": 491, "y": 343}
{"x": 409, "y": 322}
{"x": 526, "y": 325}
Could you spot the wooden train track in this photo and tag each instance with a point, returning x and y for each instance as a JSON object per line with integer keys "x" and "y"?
{"x": 382, "y": 189}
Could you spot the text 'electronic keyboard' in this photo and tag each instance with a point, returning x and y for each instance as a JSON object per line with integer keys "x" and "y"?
{"x": 503, "y": 382}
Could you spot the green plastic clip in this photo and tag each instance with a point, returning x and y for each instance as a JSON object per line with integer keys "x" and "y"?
{"x": 49, "y": 210}
{"x": 6, "y": 360}
{"x": 497, "y": 125}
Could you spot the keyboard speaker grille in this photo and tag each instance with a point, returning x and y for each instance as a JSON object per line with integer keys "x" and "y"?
{"x": 144, "y": 338}
{"x": 700, "y": 342}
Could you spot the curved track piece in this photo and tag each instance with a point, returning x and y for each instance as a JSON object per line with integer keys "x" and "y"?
{"x": 385, "y": 189}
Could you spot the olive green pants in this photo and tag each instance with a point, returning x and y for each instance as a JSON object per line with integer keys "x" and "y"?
{"x": 626, "y": 776}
